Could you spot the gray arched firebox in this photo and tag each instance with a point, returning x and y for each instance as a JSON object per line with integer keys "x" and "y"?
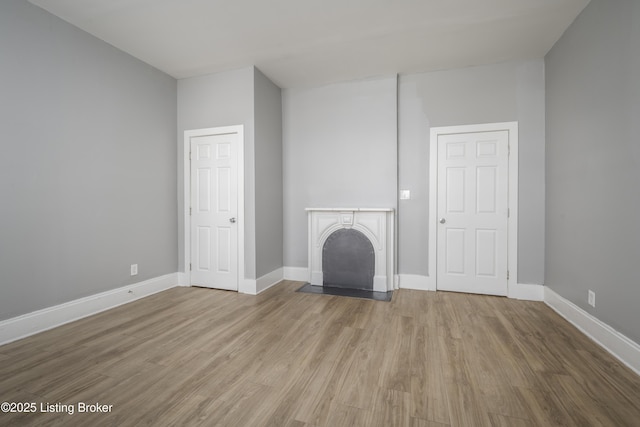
{"x": 348, "y": 260}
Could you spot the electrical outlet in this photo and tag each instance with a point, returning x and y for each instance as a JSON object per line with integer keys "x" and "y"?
{"x": 592, "y": 298}
{"x": 134, "y": 269}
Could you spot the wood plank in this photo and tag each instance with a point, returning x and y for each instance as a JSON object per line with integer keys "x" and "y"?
{"x": 192, "y": 356}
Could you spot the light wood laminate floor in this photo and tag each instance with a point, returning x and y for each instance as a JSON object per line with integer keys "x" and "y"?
{"x": 191, "y": 356}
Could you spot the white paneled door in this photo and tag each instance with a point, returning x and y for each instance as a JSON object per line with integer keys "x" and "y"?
{"x": 214, "y": 210}
{"x": 473, "y": 212}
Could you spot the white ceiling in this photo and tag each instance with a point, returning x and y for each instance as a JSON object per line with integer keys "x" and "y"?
{"x": 314, "y": 42}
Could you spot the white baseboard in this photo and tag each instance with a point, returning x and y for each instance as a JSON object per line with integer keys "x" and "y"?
{"x": 298, "y": 274}
{"x": 426, "y": 283}
{"x": 247, "y": 286}
{"x": 623, "y": 348}
{"x": 269, "y": 280}
{"x": 526, "y": 292}
{"x": 38, "y": 321}
{"x": 184, "y": 279}
{"x": 415, "y": 281}
{"x": 261, "y": 284}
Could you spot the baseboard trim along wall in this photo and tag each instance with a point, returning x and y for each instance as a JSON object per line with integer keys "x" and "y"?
{"x": 526, "y": 292}
{"x": 417, "y": 282}
{"x": 623, "y": 348}
{"x": 426, "y": 283}
{"x": 269, "y": 280}
{"x": 247, "y": 286}
{"x": 298, "y": 274}
{"x": 256, "y": 286}
{"x": 184, "y": 279}
{"x": 38, "y": 321}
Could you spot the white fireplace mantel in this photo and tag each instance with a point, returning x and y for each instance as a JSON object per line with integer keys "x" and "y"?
{"x": 377, "y": 224}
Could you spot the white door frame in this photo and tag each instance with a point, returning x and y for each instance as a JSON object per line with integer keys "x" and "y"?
{"x": 512, "y": 228}
{"x": 238, "y": 129}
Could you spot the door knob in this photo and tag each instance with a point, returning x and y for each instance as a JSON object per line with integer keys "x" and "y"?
{"x": 442, "y": 220}
{"x": 232, "y": 220}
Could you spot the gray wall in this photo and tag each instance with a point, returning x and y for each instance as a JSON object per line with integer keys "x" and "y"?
{"x": 340, "y": 150}
{"x": 87, "y": 164}
{"x": 268, "y": 172}
{"x": 593, "y": 163}
{"x": 511, "y": 91}
{"x": 221, "y": 99}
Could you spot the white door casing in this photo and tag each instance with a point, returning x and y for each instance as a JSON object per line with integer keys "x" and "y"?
{"x": 473, "y": 208}
{"x": 214, "y": 201}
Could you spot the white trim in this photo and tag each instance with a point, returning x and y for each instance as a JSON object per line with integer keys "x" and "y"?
{"x": 238, "y": 129}
{"x": 512, "y": 128}
{"x": 623, "y": 348}
{"x": 247, "y": 286}
{"x": 51, "y": 317}
{"x": 349, "y": 209}
{"x": 527, "y": 292}
{"x": 298, "y": 274}
{"x": 415, "y": 281}
{"x": 183, "y": 279}
{"x": 256, "y": 286}
{"x": 269, "y": 280}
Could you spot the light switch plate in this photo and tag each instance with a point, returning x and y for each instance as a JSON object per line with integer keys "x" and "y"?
{"x": 405, "y": 194}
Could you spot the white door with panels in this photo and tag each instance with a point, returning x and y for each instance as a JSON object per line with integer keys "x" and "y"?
{"x": 214, "y": 210}
{"x": 472, "y": 212}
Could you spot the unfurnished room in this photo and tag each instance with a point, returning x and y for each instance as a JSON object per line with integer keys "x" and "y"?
{"x": 320, "y": 213}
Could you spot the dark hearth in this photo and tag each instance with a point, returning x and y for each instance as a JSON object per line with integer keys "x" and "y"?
{"x": 308, "y": 288}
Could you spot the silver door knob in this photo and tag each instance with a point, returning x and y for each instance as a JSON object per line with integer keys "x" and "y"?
{"x": 232, "y": 220}
{"x": 442, "y": 220}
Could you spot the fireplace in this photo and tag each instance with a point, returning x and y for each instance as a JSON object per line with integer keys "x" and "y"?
{"x": 352, "y": 248}
{"x": 348, "y": 260}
